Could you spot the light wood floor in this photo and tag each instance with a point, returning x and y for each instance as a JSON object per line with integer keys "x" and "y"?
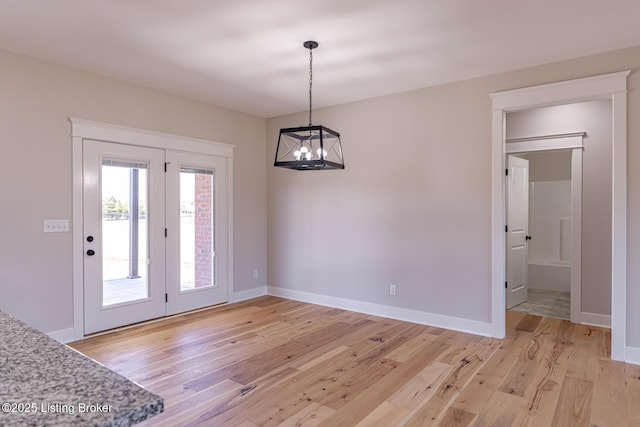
{"x": 276, "y": 362}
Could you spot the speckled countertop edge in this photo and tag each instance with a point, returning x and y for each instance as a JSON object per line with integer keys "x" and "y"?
{"x": 45, "y": 383}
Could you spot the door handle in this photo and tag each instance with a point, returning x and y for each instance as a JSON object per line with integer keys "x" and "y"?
{"x": 91, "y": 252}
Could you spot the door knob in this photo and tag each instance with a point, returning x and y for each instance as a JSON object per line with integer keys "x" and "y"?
{"x": 89, "y": 238}
{"x": 91, "y": 252}
{"x": 527, "y": 238}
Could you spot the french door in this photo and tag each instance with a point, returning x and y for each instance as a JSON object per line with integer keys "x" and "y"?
{"x": 155, "y": 230}
{"x": 196, "y": 227}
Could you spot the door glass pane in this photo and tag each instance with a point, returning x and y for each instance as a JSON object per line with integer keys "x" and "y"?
{"x": 124, "y": 232}
{"x": 196, "y": 229}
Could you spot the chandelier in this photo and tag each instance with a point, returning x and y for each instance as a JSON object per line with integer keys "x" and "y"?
{"x": 312, "y": 147}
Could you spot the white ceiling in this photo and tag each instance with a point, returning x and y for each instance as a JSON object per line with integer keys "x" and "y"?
{"x": 247, "y": 55}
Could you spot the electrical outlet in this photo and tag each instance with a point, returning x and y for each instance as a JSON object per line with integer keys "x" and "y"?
{"x": 392, "y": 290}
{"x": 255, "y": 273}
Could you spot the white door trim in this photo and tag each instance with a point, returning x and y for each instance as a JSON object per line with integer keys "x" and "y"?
{"x": 543, "y": 143}
{"x": 609, "y": 86}
{"x": 575, "y": 308}
{"x": 86, "y": 129}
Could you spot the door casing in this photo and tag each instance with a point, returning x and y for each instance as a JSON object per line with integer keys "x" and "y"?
{"x": 608, "y": 86}
{"x": 86, "y": 129}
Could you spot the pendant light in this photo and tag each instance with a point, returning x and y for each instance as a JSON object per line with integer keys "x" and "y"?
{"x": 312, "y": 147}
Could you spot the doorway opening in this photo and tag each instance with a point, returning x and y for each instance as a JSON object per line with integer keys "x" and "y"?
{"x": 551, "y": 276}
{"x": 152, "y": 225}
{"x": 612, "y": 87}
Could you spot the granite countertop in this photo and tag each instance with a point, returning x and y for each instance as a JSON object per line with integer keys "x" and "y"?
{"x": 45, "y": 383}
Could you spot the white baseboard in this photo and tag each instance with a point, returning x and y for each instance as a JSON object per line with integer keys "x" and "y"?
{"x": 601, "y": 320}
{"x": 632, "y": 355}
{"x": 63, "y": 335}
{"x": 248, "y": 294}
{"x": 454, "y": 323}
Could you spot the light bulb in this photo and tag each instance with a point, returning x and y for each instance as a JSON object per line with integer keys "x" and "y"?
{"x": 322, "y": 153}
{"x": 304, "y": 150}
{"x": 296, "y": 154}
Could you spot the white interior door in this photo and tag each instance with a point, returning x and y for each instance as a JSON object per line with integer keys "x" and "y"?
{"x": 197, "y": 224}
{"x": 124, "y": 250}
{"x": 517, "y": 230}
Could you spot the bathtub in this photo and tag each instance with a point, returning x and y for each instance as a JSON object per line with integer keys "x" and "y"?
{"x": 551, "y": 227}
{"x": 550, "y": 275}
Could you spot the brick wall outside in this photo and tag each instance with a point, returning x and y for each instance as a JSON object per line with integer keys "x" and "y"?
{"x": 203, "y": 230}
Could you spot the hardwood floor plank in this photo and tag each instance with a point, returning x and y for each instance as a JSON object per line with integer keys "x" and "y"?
{"x": 390, "y": 344}
{"x": 271, "y": 361}
{"x": 584, "y": 366}
{"x": 489, "y": 378}
{"x": 609, "y": 402}
{"x": 309, "y": 416}
{"x": 386, "y": 414}
{"x": 574, "y": 405}
{"x": 403, "y": 353}
{"x": 501, "y": 411}
{"x": 323, "y": 356}
{"x": 553, "y": 352}
{"x": 362, "y": 405}
{"x": 465, "y": 367}
{"x": 419, "y": 389}
{"x": 303, "y": 388}
{"x": 519, "y": 377}
{"x": 455, "y": 417}
{"x": 249, "y": 369}
{"x": 529, "y": 323}
{"x": 632, "y": 393}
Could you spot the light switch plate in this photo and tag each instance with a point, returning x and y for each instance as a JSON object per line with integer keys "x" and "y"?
{"x": 56, "y": 225}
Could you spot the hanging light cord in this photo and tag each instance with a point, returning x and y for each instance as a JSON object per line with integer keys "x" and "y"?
{"x": 310, "y": 80}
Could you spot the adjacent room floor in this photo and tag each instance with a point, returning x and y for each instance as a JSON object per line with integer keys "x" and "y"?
{"x": 546, "y": 303}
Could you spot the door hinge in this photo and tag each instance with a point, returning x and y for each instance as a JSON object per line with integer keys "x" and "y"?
{"x": 166, "y": 297}
{"x": 165, "y": 166}
{"x": 506, "y": 228}
{"x": 505, "y": 285}
{"x": 165, "y": 232}
{"x": 506, "y": 171}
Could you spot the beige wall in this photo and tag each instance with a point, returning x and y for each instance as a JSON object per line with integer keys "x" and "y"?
{"x": 549, "y": 165}
{"x": 413, "y": 206}
{"x": 35, "y": 175}
{"x": 595, "y": 119}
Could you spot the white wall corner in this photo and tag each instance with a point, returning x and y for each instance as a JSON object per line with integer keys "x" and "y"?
{"x": 424, "y": 318}
{"x": 248, "y": 294}
{"x": 632, "y": 355}
{"x": 63, "y": 335}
